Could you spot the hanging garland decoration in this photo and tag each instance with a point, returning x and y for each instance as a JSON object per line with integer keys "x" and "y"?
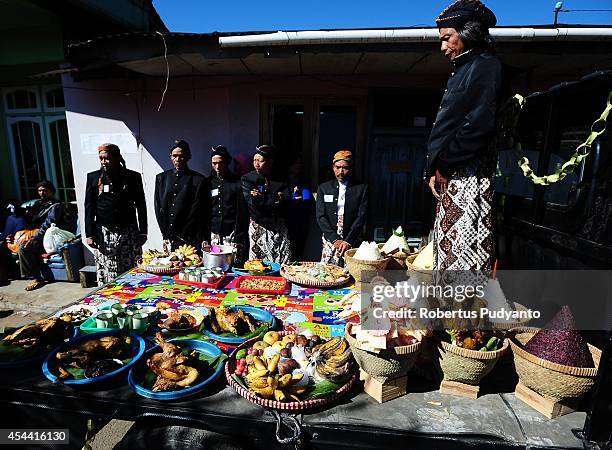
{"x": 506, "y": 138}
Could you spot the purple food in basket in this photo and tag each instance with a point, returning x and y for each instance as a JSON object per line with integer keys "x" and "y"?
{"x": 559, "y": 342}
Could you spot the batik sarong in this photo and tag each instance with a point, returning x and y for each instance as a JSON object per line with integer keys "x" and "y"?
{"x": 269, "y": 242}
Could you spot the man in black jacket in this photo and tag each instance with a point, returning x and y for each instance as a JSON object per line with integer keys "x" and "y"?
{"x": 229, "y": 221}
{"x": 181, "y": 200}
{"x": 342, "y": 206}
{"x": 461, "y": 165}
{"x": 115, "y": 214}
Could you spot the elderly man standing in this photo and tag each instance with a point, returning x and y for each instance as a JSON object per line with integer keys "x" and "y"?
{"x": 181, "y": 200}
{"x": 460, "y": 163}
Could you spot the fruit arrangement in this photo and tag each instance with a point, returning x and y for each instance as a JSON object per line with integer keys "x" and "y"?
{"x": 293, "y": 368}
{"x": 257, "y": 266}
{"x": 184, "y": 256}
{"x": 479, "y": 340}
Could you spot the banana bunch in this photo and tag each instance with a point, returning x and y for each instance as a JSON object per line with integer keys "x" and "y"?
{"x": 188, "y": 255}
{"x": 263, "y": 380}
{"x": 333, "y": 360}
{"x": 149, "y": 255}
{"x": 186, "y": 250}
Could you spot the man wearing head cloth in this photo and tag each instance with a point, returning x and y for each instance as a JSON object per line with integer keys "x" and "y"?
{"x": 181, "y": 200}
{"x": 228, "y": 210}
{"x": 115, "y": 214}
{"x": 342, "y": 207}
{"x": 460, "y": 163}
{"x": 266, "y": 200}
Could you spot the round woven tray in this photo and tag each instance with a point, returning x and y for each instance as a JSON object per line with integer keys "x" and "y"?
{"x": 356, "y": 267}
{"x": 389, "y": 363}
{"x": 555, "y": 381}
{"x": 156, "y": 270}
{"x": 311, "y": 283}
{"x": 504, "y": 326}
{"x": 422, "y": 275}
{"x": 467, "y": 366}
{"x": 230, "y": 367}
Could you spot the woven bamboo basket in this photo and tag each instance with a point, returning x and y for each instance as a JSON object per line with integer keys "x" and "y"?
{"x": 424, "y": 276}
{"x": 505, "y": 326}
{"x": 467, "y": 366}
{"x": 357, "y": 267}
{"x": 554, "y": 381}
{"x": 390, "y": 363}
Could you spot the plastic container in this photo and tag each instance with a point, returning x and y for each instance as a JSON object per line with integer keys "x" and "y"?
{"x": 49, "y": 366}
{"x": 279, "y": 291}
{"x": 138, "y": 371}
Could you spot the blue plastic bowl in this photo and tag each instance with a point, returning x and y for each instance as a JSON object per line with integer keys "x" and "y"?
{"x": 34, "y": 360}
{"x": 138, "y": 345}
{"x": 259, "y": 314}
{"x": 137, "y": 372}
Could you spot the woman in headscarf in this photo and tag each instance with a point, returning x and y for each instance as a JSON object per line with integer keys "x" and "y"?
{"x": 229, "y": 214}
{"x": 266, "y": 200}
{"x": 115, "y": 214}
{"x": 342, "y": 207}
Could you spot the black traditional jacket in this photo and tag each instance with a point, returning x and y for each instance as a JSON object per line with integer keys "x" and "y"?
{"x": 269, "y": 206}
{"x": 181, "y": 206}
{"x": 228, "y": 207}
{"x": 355, "y": 211}
{"x": 113, "y": 200}
{"x": 465, "y": 123}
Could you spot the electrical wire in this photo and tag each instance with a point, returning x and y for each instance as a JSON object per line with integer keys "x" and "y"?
{"x": 167, "y": 71}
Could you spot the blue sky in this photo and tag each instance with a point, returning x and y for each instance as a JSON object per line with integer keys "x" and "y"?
{"x": 204, "y": 16}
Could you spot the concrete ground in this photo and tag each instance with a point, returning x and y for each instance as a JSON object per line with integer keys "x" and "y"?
{"x": 18, "y": 307}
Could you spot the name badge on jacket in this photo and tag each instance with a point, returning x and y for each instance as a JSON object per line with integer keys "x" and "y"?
{"x": 214, "y": 192}
{"x": 328, "y": 198}
{"x": 106, "y": 188}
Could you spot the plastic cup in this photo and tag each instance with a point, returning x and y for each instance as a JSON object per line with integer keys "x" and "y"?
{"x": 117, "y": 308}
{"x": 140, "y": 321}
{"x": 122, "y": 320}
{"x": 104, "y": 320}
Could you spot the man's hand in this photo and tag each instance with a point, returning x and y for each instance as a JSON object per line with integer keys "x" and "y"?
{"x": 90, "y": 242}
{"x": 255, "y": 193}
{"x": 442, "y": 182}
{"x": 432, "y": 186}
{"x": 140, "y": 240}
{"x": 341, "y": 246}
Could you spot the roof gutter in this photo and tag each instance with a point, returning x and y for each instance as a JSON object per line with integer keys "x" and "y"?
{"x": 287, "y": 38}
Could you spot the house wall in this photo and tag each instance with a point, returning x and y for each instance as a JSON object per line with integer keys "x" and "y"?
{"x": 205, "y": 111}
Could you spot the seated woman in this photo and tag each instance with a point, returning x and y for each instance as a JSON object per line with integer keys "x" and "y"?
{"x": 45, "y": 211}
{"x": 342, "y": 206}
{"x": 266, "y": 200}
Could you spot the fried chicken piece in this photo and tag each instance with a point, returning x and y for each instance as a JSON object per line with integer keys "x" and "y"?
{"x": 235, "y": 322}
{"x": 170, "y": 368}
{"x": 94, "y": 350}
{"x": 178, "y": 320}
{"x": 51, "y": 330}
